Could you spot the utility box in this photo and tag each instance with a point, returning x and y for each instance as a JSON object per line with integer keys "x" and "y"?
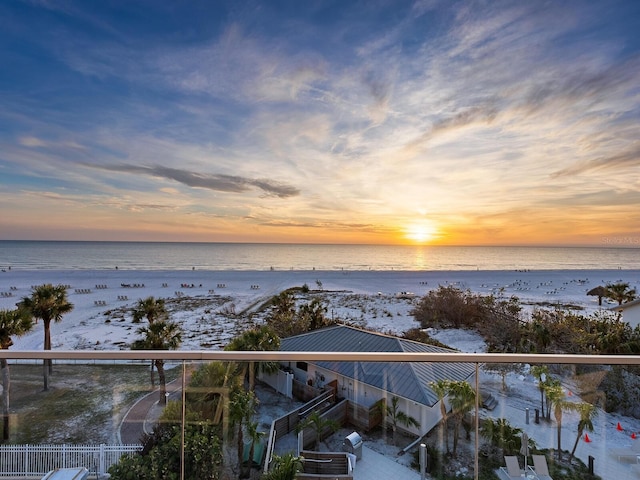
{"x": 79, "y": 473}
{"x": 353, "y": 444}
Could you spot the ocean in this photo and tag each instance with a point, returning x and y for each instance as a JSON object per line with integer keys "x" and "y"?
{"x": 61, "y": 255}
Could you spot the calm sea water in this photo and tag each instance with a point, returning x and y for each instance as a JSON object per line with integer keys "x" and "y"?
{"x": 30, "y": 255}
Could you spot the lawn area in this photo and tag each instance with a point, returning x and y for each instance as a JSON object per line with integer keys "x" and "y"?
{"x": 84, "y": 404}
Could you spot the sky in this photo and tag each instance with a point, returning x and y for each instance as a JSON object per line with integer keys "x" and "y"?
{"x": 375, "y": 122}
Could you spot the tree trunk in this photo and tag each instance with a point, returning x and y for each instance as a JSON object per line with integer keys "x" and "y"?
{"x": 456, "y": 436}
{"x": 153, "y": 378}
{"x": 240, "y": 449}
{"x": 445, "y": 429}
{"x": 252, "y": 376}
{"x": 4, "y": 366}
{"x": 46, "y": 364}
{"x": 162, "y": 382}
{"x": 575, "y": 445}
{"x": 45, "y": 372}
{"x": 47, "y": 343}
{"x": 250, "y": 461}
{"x": 559, "y": 420}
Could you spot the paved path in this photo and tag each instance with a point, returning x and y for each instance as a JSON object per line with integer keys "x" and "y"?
{"x": 140, "y": 417}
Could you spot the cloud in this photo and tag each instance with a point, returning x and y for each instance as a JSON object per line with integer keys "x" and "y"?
{"x": 625, "y": 160}
{"x": 220, "y": 183}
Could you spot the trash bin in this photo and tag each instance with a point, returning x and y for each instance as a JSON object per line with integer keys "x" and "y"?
{"x": 353, "y": 444}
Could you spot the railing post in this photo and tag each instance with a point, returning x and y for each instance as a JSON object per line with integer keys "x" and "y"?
{"x": 26, "y": 458}
{"x": 476, "y": 468}
{"x": 101, "y": 464}
{"x": 184, "y": 418}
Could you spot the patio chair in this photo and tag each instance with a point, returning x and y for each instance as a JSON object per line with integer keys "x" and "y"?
{"x": 512, "y": 470}
{"x": 631, "y": 452}
{"x": 540, "y": 467}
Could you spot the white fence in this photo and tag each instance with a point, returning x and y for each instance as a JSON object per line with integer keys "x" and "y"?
{"x": 36, "y": 460}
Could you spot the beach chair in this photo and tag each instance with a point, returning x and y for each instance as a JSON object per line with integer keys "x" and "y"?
{"x": 630, "y": 453}
{"x": 540, "y": 467}
{"x": 512, "y": 470}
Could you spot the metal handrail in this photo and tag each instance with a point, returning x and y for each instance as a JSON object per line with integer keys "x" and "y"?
{"x": 211, "y": 355}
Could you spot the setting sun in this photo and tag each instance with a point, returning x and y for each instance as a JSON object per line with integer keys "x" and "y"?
{"x": 422, "y": 232}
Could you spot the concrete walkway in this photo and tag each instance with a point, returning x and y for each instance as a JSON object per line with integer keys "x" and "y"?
{"x": 374, "y": 465}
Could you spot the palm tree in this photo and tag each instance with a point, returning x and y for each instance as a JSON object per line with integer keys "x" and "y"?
{"x": 160, "y": 335}
{"x": 12, "y": 323}
{"x": 205, "y": 393}
{"x": 555, "y": 398}
{"x": 398, "y": 416}
{"x": 242, "y": 406}
{"x": 587, "y": 413}
{"x": 152, "y": 309}
{"x": 441, "y": 389}
{"x": 319, "y": 424}
{"x": 285, "y": 467}
{"x": 502, "y": 435}
{"x": 462, "y": 397}
{"x": 540, "y": 372}
{"x": 620, "y": 292}
{"x": 48, "y": 303}
{"x": 261, "y": 339}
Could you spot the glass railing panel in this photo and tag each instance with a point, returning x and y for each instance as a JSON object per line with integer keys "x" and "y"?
{"x": 231, "y": 414}
{"x": 576, "y": 420}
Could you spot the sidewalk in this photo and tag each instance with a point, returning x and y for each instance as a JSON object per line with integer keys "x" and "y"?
{"x": 144, "y": 414}
{"x": 374, "y": 465}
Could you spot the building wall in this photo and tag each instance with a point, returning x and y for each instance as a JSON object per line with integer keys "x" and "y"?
{"x": 631, "y": 315}
{"x": 366, "y": 395}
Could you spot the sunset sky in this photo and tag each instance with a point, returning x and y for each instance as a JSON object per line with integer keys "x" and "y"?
{"x": 462, "y": 123}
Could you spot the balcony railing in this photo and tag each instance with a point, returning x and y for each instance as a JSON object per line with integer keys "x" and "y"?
{"x": 352, "y": 396}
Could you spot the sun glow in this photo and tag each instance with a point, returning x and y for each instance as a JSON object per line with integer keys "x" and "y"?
{"x": 422, "y": 232}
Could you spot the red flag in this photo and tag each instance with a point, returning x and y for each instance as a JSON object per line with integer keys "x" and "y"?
{"x": 633, "y": 435}
{"x": 619, "y": 427}
{"x": 586, "y": 438}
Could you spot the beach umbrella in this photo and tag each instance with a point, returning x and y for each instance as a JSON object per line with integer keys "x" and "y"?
{"x": 599, "y": 292}
{"x": 524, "y": 449}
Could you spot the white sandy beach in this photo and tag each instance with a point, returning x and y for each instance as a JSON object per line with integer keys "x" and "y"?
{"x": 216, "y": 293}
{"x": 201, "y": 301}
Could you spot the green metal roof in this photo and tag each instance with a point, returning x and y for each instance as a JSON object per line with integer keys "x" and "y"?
{"x": 409, "y": 380}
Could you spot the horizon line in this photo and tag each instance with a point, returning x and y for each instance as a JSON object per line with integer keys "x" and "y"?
{"x": 613, "y": 245}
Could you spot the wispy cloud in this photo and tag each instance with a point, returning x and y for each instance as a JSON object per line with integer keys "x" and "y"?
{"x": 221, "y": 183}
{"x": 628, "y": 160}
{"x": 326, "y": 118}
